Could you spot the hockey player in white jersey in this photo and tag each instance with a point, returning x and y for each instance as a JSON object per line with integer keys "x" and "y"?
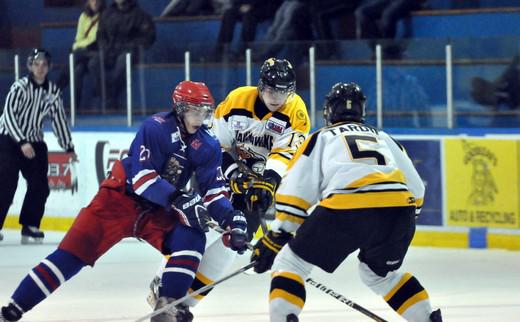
{"x": 259, "y": 129}
{"x": 350, "y": 186}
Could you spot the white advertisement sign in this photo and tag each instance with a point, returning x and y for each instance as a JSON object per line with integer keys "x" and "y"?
{"x": 74, "y": 184}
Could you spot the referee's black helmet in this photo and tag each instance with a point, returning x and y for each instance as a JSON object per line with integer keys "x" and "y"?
{"x": 38, "y": 53}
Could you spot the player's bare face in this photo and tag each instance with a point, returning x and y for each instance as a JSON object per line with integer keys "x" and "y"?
{"x": 39, "y": 69}
{"x": 195, "y": 117}
{"x": 273, "y": 99}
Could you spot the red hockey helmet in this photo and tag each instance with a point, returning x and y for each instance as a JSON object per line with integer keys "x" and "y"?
{"x": 195, "y": 96}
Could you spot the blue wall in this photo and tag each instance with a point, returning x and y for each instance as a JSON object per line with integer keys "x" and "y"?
{"x": 466, "y": 25}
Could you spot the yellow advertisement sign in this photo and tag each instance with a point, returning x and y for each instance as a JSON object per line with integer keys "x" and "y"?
{"x": 482, "y": 180}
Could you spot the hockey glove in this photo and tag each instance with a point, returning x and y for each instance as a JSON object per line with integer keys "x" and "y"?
{"x": 261, "y": 195}
{"x": 240, "y": 182}
{"x": 190, "y": 211}
{"x": 236, "y": 237}
{"x": 266, "y": 249}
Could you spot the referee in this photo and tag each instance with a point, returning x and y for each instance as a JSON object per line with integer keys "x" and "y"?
{"x": 30, "y": 100}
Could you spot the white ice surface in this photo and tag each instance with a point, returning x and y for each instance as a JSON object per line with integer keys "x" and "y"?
{"x": 468, "y": 285}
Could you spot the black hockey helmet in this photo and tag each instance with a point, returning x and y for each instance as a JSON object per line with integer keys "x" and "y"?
{"x": 344, "y": 102}
{"x": 278, "y": 74}
{"x": 38, "y": 53}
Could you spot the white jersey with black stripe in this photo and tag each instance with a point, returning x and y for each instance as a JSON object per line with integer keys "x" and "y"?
{"x": 347, "y": 166}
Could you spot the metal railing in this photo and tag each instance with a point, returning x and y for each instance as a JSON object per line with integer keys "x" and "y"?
{"x": 319, "y": 75}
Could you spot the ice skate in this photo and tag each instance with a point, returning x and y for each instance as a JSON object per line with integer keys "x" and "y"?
{"x": 435, "y": 316}
{"x": 154, "y": 292}
{"x": 10, "y": 313}
{"x": 179, "y": 313}
{"x": 1, "y": 236}
{"x": 32, "y": 235}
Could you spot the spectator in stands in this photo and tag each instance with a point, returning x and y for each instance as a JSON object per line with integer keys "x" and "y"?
{"x": 123, "y": 28}
{"x": 250, "y": 12}
{"x": 378, "y": 19}
{"x": 504, "y": 90}
{"x": 195, "y": 7}
{"x": 84, "y": 47}
{"x": 291, "y": 23}
{"x": 323, "y": 13}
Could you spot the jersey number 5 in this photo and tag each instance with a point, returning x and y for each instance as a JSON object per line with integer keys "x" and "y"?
{"x": 357, "y": 154}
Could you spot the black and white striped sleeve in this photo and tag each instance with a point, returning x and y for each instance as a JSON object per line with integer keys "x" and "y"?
{"x": 60, "y": 125}
{"x": 12, "y": 119}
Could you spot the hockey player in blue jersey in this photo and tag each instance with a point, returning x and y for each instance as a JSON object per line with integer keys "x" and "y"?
{"x": 143, "y": 198}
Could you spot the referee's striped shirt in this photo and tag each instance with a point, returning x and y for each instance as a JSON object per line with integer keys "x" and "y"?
{"x": 26, "y": 106}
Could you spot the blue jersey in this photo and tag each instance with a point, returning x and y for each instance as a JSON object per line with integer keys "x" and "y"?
{"x": 160, "y": 162}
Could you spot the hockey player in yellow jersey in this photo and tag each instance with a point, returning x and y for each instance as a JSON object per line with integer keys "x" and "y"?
{"x": 259, "y": 129}
{"x": 350, "y": 186}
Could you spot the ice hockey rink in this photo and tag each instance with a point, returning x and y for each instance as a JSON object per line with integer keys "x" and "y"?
{"x": 467, "y": 284}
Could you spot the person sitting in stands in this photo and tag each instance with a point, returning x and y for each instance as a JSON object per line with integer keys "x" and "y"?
{"x": 123, "y": 28}
{"x": 84, "y": 47}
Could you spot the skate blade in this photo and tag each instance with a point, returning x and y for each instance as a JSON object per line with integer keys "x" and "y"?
{"x": 28, "y": 240}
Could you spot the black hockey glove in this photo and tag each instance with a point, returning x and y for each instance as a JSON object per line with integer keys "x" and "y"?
{"x": 240, "y": 182}
{"x": 236, "y": 237}
{"x": 190, "y": 211}
{"x": 261, "y": 195}
{"x": 266, "y": 249}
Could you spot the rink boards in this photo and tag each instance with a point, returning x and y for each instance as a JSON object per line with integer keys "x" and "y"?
{"x": 472, "y": 186}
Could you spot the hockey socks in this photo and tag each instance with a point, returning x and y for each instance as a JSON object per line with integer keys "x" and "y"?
{"x": 402, "y": 291}
{"x": 187, "y": 246}
{"x": 287, "y": 296}
{"x": 409, "y": 299}
{"x": 46, "y": 277}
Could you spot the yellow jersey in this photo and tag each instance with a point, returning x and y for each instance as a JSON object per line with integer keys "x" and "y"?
{"x": 262, "y": 141}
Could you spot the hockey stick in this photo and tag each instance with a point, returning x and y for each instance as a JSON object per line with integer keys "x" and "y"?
{"x": 343, "y": 299}
{"x": 263, "y": 223}
{"x": 197, "y": 292}
{"x": 318, "y": 285}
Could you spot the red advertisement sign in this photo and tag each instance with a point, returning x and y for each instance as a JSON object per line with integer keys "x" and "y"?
{"x": 62, "y": 172}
